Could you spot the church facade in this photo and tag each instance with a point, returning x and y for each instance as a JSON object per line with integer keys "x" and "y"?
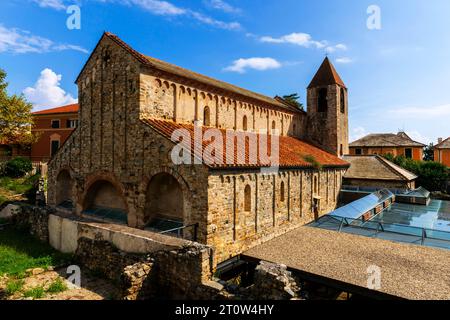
{"x": 119, "y": 161}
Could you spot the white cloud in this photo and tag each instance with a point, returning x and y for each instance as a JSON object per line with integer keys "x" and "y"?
{"x": 299, "y": 39}
{"x": 338, "y": 47}
{"x": 20, "y": 41}
{"x": 417, "y": 136}
{"x": 47, "y": 92}
{"x": 419, "y": 113}
{"x": 165, "y": 8}
{"x": 344, "y": 60}
{"x": 222, "y": 5}
{"x": 357, "y": 133}
{"x": 260, "y": 64}
{"x": 54, "y": 4}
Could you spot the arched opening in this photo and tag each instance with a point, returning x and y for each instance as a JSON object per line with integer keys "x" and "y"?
{"x": 282, "y": 191}
{"x": 247, "y": 198}
{"x": 322, "y": 101}
{"x": 164, "y": 209}
{"x": 244, "y": 123}
{"x": 274, "y": 125}
{"x": 206, "y": 117}
{"x": 342, "y": 100}
{"x": 315, "y": 185}
{"x": 64, "y": 189}
{"x": 103, "y": 200}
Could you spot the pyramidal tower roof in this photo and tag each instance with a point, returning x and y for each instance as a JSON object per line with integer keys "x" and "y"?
{"x": 326, "y": 75}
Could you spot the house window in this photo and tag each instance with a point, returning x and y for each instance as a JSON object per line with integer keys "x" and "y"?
{"x": 342, "y": 100}
{"x": 408, "y": 153}
{"x": 72, "y": 124}
{"x": 244, "y": 123}
{"x": 54, "y": 146}
{"x": 247, "y": 198}
{"x": 55, "y": 124}
{"x": 358, "y": 152}
{"x": 206, "y": 117}
{"x": 322, "y": 101}
{"x": 282, "y": 191}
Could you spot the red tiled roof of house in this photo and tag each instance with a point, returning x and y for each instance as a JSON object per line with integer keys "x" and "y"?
{"x": 293, "y": 153}
{"x": 71, "y": 108}
{"x": 326, "y": 75}
{"x": 444, "y": 144}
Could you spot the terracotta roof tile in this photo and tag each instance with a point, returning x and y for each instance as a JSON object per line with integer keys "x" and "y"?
{"x": 400, "y": 139}
{"x": 293, "y": 153}
{"x": 71, "y": 108}
{"x": 444, "y": 144}
{"x": 376, "y": 167}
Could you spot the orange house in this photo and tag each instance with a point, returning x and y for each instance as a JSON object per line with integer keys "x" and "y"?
{"x": 442, "y": 152}
{"x": 399, "y": 144}
{"x": 53, "y": 126}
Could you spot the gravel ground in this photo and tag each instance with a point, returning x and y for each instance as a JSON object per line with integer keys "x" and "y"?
{"x": 407, "y": 271}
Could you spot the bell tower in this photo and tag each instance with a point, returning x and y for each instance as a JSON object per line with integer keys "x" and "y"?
{"x": 327, "y": 100}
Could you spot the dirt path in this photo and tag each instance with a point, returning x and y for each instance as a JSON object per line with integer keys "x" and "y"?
{"x": 92, "y": 288}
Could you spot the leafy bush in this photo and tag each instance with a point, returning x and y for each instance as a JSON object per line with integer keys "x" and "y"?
{"x": 14, "y": 286}
{"x": 35, "y": 293}
{"x": 18, "y": 167}
{"x": 433, "y": 176}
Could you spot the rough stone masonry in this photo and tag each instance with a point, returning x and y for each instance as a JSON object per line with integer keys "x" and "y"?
{"x": 118, "y": 161}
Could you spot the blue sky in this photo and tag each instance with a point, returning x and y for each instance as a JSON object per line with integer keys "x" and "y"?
{"x": 397, "y": 76}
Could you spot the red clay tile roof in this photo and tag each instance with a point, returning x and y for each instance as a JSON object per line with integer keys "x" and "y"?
{"x": 71, "y": 108}
{"x": 400, "y": 139}
{"x": 293, "y": 153}
{"x": 188, "y": 74}
{"x": 326, "y": 75}
{"x": 444, "y": 144}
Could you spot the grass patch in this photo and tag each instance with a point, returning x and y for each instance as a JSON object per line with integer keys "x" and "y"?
{"x": 35, "y": 293}
{"x": 57, "y": 286}
{"x": 20, "y": 251}
{"x": 20, "y": 185}
{"x": 14, "y": 286}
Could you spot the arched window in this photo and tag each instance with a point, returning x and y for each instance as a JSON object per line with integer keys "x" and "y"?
{"x": 244, "y": 123}
{"x": 247, "y": 198}
{"x": 206, "y": 117}
{"x": 315, "y": 185}
{"x": 282, "y": 191}
{"x": 322, "y": 102}
{"x": 274, "y": 126}
{"x": 342, "y": 100}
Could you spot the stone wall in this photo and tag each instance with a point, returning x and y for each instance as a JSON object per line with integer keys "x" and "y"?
{"x": 166, "y": 96}
{"x": 232, "y": 229}
{"x": 34, "y": 220}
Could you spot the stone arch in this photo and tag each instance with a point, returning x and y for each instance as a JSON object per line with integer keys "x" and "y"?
{"x": 245, "y": 123}
{"x": 145, "y": 186}
{"x": 103, "y": 193}
{"x": 343, "y": 106}
{"x": 64, "y": 193}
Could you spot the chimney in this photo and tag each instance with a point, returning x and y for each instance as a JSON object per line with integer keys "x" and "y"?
{"x": 440, "y": 140}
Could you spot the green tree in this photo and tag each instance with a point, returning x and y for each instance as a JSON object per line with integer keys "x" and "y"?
{"x": 16, "y": 119}
{"x": 428, "y": 152}
{"x": 293, "y": 99}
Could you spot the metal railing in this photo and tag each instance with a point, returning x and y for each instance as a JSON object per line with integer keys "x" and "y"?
{"x": 180, "y": 232}
{"x": 422, "y": 234}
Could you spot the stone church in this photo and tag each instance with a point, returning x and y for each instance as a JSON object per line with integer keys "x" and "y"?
{"x": 118, "y": 165}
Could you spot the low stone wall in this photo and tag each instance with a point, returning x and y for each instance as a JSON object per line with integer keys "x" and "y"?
{"x": 273, "y": 282}
{"x": 34, "y": 219}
